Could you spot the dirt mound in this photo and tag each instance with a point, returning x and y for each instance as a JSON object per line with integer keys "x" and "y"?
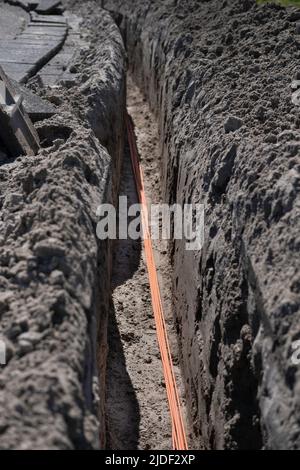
{"x": 54, "y": 274}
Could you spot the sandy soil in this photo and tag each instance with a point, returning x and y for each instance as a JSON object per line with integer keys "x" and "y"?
{"x": 51, "y": 297}
{"x": 138, "y": 415}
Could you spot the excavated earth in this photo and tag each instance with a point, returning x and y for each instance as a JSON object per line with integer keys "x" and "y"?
{"x": 217, "y": 77}
{"x": 54, "y": 274}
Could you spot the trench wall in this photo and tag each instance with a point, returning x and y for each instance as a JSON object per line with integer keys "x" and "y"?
{"x": 54, "y": 273}
{"x": 218, "y": 75}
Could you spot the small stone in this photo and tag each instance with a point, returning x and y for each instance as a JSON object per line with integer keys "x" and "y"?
{"x": 298, "y": 28}
{"x": 74, "y": 68}
{"x": 296, "y": 98}
{"x": 232, "y": 124}
{"x": 260, "y": 113}
{"x": 22, "y": 278}
{"x": 30, "y": 337}
{"x": 237, "y": 351}
{"x": 13, "y": 201}
{"x": 25, "y": 347}
{"x": 246, "y": 334}
{"x": 295, "y": 84}
{"x": 57, "y": 278}
{"x": 49, "y": 248}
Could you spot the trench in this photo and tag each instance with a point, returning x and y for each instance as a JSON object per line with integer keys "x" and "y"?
{"x": 136, "y": 402}
{"x": 216, "y": 299}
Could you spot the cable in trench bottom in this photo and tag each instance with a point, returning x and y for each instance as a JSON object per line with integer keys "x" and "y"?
{"x": 178, "y": 432}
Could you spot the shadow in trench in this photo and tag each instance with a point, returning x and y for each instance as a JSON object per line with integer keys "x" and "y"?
{"x": 123, "y": 417}
{"x": 123, "y": 413}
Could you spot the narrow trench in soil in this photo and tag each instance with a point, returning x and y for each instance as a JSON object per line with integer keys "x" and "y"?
{"x": 137, "y": 408}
